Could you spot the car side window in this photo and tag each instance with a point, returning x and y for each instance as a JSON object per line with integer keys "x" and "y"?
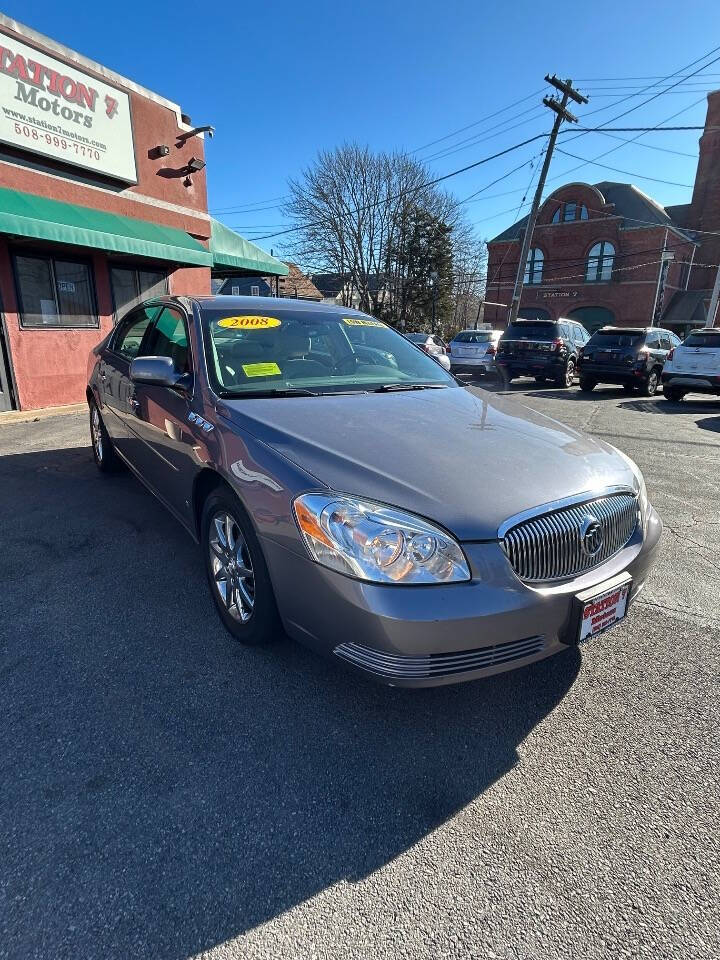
{"x": 651, "y": 341}
{"x": 565, "y": 330}
{"x": 131, "y": 331}
{"x": 675, "y": 341}
{"x": 665, "y": 342}
{"x": 169, "y": 338}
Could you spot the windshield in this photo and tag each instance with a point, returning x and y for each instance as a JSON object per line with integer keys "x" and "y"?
{"x": 473, "y": 336}
{"x": 530, "y": 331}
{"x": 308, "y": 352}
{"x": 615, "y": 340}
{"x": 703, "y": 340}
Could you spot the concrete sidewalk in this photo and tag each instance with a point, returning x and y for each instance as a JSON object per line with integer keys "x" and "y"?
{"x": 27, "y": 416}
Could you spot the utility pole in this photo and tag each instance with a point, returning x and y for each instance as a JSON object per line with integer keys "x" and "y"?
{"x": 714, "y": 301}
{"x": 562, "y": 113}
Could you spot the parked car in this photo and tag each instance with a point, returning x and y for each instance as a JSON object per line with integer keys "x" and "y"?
{"x": 473, "y": 351}
{"x": 544, "y": 349}
{"x": 632, "y": 357}
{"x": 693, "y": 366}
{"x": 331, "y": 496}
{"x": 433, "y": 345}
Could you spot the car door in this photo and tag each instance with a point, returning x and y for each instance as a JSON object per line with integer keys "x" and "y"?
{"x": 159, "y": 416}
{"x": 116, "y": 390}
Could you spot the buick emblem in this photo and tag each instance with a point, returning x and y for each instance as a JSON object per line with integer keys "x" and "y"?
{"x": 591, "y": 535}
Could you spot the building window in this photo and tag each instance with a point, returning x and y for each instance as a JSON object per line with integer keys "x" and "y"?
{"x": 534, "y": 266}
{"x": 54, "y": 293}
{"x": 600, "y": 262}
{"x": 130, "y": 286}
{"x": 569, "y": 211}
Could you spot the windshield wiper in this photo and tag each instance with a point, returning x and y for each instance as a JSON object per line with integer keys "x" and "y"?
{"x": 392, "y": 387}
{"x": 268, "y": 392}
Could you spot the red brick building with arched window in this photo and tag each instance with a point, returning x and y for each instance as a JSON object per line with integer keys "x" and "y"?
{"x": 608, "y": 253}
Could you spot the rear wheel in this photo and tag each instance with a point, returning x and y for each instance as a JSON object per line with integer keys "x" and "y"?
{"x": 649, "y": 387}
{"x": 567, "y": 376}
{"x": 587, "y": 385}
{"x": 104, "y": 455}
{"x": 237, "y": 572}
{"x": 673, "y": 394}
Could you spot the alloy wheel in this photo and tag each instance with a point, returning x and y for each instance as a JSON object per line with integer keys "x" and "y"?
{"x": 96, "y": 434}
{"x": 652, "y": 384}
{"x": 231, "y": 565}
{"x": 569, "y": 373}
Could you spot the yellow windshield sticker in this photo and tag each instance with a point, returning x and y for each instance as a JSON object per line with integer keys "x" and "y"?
{"x": 362, "y": 322}
{"x": 249, "y": 323}
{"x": 261, "y": 370}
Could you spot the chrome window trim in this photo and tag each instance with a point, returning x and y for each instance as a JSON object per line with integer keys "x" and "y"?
{"x": 574, "y": 501}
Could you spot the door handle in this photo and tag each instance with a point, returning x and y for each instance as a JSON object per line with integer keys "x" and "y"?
{"x": 135, "y": 404}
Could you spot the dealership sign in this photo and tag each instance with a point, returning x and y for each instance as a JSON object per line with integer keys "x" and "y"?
{"x": 55, "y": 109}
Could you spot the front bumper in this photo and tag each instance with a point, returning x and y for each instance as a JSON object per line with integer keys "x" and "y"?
{"x": 426, "y": 636}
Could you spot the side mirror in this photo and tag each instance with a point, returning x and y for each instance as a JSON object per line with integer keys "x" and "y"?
{"x": 158, "y": 372}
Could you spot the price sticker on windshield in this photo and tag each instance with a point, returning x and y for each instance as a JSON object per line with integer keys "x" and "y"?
{"x": 261, "y": 370}
{"x": 362, "y": 322}
{"x": 249, "y": 323}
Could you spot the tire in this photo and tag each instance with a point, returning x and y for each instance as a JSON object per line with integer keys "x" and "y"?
{"x": 566, "y": 377}
{"x": 104, "y": 455}
{"x": 649, "y": 387}
{"x": 587, "y": 385}
{"x": 251, "y": 615}
{"x": 629, "y": 387}
{"x": 673, "y": 394}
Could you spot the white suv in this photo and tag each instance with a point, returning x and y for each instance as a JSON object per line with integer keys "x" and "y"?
{"x": 694, "y": 366}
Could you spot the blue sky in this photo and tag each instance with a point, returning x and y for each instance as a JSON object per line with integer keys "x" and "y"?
{"x": 280, "y": 81}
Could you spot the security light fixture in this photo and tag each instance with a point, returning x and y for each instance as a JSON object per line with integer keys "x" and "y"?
{"x": 209, "y": 130}
{"x": 195, "y": 165}
{"x": 162, "y": 150}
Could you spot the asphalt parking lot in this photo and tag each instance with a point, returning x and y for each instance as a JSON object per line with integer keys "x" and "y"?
{"x": 165, "y": 793}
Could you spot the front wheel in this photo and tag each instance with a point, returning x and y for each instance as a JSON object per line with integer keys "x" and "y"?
{"x": 237, "y": 572}
{"x": 567, "y": 377}
{"x": 104, "y": 455}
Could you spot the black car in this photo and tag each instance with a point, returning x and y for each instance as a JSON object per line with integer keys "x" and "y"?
{"x": 632, "y": 357}
{"x": 544, "y": 349}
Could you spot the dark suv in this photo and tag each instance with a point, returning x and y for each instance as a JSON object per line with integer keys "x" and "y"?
{"x": 544, "y": 349}
{"x": 632, "y": 357}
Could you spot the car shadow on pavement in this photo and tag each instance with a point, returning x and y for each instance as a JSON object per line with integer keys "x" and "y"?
{"x": 710, "y": 423}
{"x": 164, "y": 789}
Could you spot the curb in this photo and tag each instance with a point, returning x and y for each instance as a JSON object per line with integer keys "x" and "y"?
{"x": 45, "y": 413}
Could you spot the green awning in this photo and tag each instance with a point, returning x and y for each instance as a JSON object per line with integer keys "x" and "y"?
{"x": 229, "y": 250}
{"x": 28, "y": 215}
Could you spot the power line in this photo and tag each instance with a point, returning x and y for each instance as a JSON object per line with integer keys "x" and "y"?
{"x": 424, "y": 186}
{"x": 626, "y": 173}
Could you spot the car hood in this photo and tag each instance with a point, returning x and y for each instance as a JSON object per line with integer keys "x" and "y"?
{"x": 462, "y": 457}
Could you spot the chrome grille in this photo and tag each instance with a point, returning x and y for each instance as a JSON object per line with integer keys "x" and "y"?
{"x": 550, "y": 546}
{"x": 399, "y": 667}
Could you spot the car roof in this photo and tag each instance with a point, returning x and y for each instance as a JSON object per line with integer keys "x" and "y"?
{"x": 260, "y": 304}
{"x": 609, "y": 329}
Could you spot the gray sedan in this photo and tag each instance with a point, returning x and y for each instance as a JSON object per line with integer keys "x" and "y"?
{"x": 300, "y": 460}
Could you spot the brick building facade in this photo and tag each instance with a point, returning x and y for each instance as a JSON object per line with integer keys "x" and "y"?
{"x": 608, "y": 253}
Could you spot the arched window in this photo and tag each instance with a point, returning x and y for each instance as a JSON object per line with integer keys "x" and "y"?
{"x": 569, "y": 211}
{"x": 600, "y": 262}
{"x": 534, "y": 266}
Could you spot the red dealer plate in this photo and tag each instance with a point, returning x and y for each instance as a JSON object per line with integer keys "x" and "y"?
{"x": 604, "y": 610}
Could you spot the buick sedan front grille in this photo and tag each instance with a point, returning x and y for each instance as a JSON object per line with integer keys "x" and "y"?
{"x": 571, "y": 540}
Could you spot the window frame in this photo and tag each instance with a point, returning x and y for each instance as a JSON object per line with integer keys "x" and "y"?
{"x": 50, "y": 258}
{"x": 124, "y": 265}
{"x": 600, "y": 261}
{"x": 176, "y": 308}
{"x": 112, "y": 343}
{"x": 531, "y": 267}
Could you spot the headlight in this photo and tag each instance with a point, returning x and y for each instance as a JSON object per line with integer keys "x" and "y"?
{"x": 373, "y": 542}
{"x": 643, "y": 503}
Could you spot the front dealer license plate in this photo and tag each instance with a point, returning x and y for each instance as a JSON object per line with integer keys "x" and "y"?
{"x": 603, "y": 610}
